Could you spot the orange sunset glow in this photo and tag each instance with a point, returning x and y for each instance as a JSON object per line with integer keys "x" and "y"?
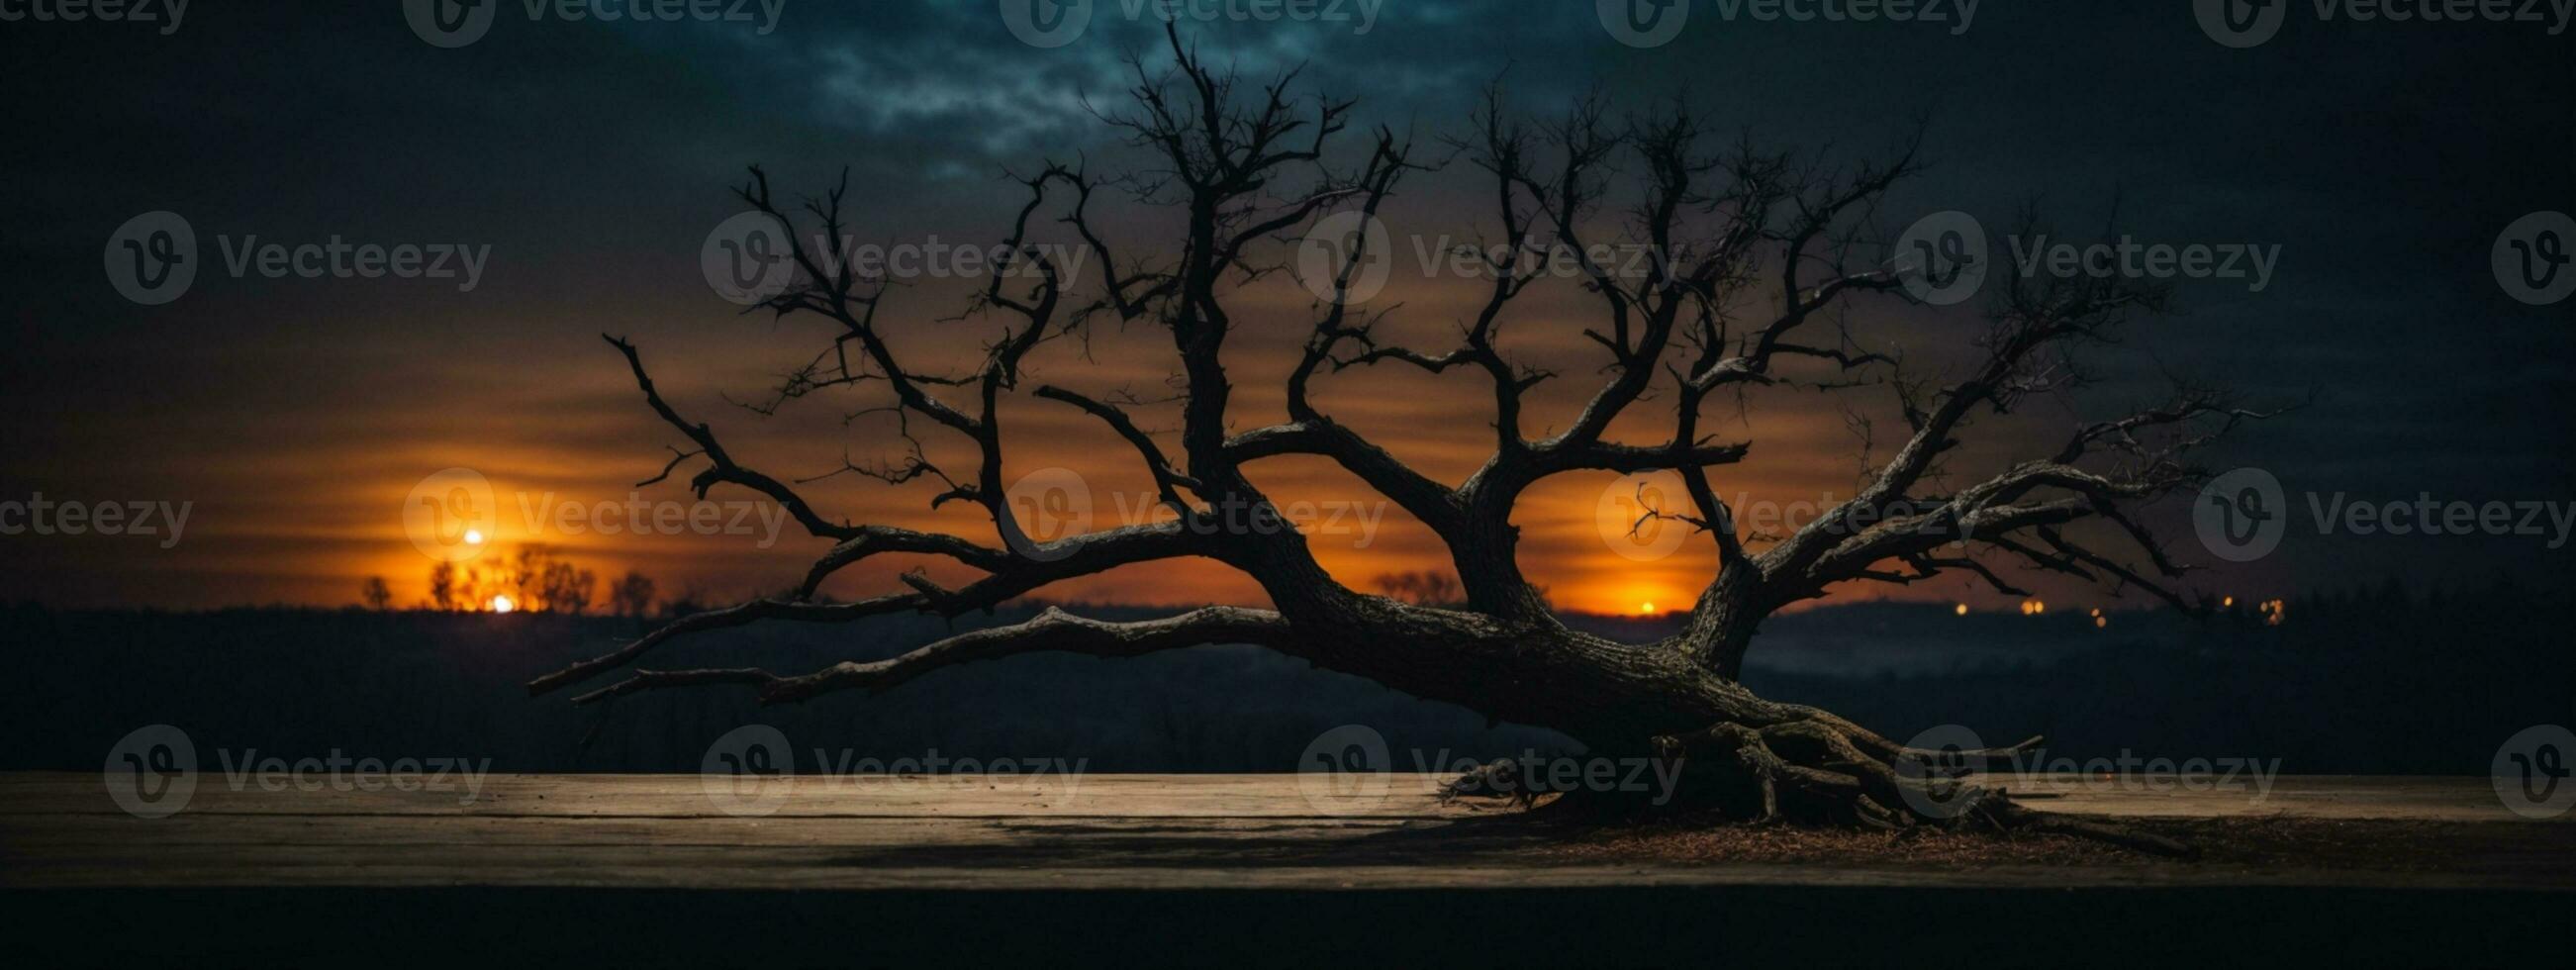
{"x": 306, "y": 510}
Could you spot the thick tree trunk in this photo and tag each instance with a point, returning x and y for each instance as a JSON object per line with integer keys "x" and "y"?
{"x": 1612, "y": 697}
{"x": 1737, "y": 754}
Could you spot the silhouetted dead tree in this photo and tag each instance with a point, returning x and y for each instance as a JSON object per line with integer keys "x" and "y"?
{"x": 1729, "y": 228}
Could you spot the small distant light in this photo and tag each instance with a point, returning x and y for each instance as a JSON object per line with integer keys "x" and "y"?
{"x": 2101, "y": 621}
{"x": 1963, "y": 609}
{"x": 2230, "y": 601}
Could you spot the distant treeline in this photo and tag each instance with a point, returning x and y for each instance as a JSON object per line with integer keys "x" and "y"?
{"x": 2371, "y": 681}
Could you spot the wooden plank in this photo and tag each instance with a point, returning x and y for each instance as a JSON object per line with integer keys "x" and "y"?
{"x": 1405, "y": 795}
{"x": 1100, "y": 831}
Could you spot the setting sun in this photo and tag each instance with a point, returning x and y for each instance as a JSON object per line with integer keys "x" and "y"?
{"x": 503, "y": 604}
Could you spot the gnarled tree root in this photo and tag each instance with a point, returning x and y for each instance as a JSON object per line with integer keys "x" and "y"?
{"x": 1812, "y": 772}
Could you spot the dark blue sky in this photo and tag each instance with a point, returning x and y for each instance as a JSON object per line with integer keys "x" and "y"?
{"x": 2382, "y": 159}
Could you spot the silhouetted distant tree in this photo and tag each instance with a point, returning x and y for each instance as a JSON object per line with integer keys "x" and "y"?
{"x": 1423, "y": 588}
{"x": 690, "y": 601}
{"x": 522, "y": 576}
{"x": 533, "y": 577}
{"x": 563, "y": 588}
{"x": 443, "y": 592}
{"x": 376, "y": 594}
{"x": 632, "y": 595}
{"x": 1752, "y": 260}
